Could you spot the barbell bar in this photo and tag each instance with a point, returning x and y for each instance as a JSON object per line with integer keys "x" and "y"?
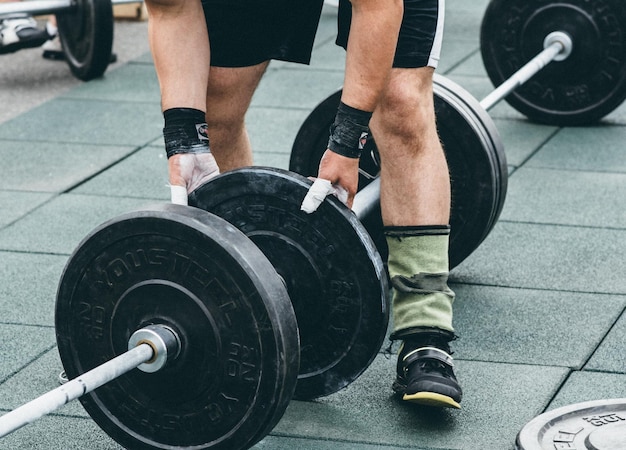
{"x": 557, "y": 47}
{"x": 149, "y": 350}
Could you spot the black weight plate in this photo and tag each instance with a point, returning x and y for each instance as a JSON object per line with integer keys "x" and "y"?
{"x": 581, "y": 89}
{"x": 595, "y": 425}
{"x": 474, "y": 152}
{"x": 202, "y": 277}
{"x": 333, "y": 273}
{"x": 86, "y": 33}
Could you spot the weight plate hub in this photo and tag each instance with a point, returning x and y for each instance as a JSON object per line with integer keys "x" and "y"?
{"x": 86, "y": 33}
{"x": 475, "y": 155}
{"x": 333, "y": 272}
{"x": 596, "y": 425}
{"x": 198, "y": 275}
{"x": 581, "y": 89}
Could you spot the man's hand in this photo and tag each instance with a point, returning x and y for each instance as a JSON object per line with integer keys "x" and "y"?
{"x": 188, "y": 171}
{"x": 338, "y": 175}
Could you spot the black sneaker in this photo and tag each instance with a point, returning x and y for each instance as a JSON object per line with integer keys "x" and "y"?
{"x": 425, "y": 374}
{"x": 20, "y": 31}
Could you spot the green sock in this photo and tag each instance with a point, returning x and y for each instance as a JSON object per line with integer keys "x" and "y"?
{"x": 418, "y": 268}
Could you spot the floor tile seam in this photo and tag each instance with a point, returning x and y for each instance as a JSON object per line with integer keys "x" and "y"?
{"x": 110, "y": 196}
{"x": 53, "y": 196}
{"x": 30, "y": 362}
{"x": 452, "y": 282}
{"x": 541, "y": 145}
{"x": 102, "y": 98}
{"x": 90, "y": 143}
{"x": 462, "y": 61}
{"x": 309, "y": 69}
{"x": 33, "y": 253}
{"x": 346, "y": 441}
{"x": 574, "y": 170}
{"x": 137, "y": 149}
{"x": 280, "y": 108}
{"x": 514, "y": 363}
{"x": 604, "y": 338}
{"x": 562, "y": 225}
{"x": 28, "y": 325}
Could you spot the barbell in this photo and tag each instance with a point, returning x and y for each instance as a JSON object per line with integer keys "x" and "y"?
{"x": 240, "y": 314}
{"x": 579, "y": 76}
{"x": 85, "y": 30}
{"x": 568, "y": 87}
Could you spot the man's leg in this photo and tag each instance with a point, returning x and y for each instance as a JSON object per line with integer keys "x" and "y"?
{"x": 229, "y": 94}
{"x": 415, "y": 202}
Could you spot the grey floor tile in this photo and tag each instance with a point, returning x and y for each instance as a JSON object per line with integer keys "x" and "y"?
{"x": 298, "y": 88}
{"x": 274, "y": 130}
{"x": 55, "y": 432}
{"x": 566, "y": 198}
{"x": 599, "y": 148}
{"x": 130, "y": 83}
{"x": 522, "y": 139}
{"x": 141, "y": 175}
{"x": 528, "y": 326}
{"x": 279, "y": 160}
{"x": 28, "y": 287}
{"x": 589, "y": 386}
{"x": 365, "y": 412}
{"x": 469, "y": 62}
{"x": 20, "y": 346}
{"x": 61, "y": 224}
{"x": 54, "y": 166}
{"x": 548, "y": 257}
{"x": 610, "y": 355}
{"x": 39, "y": 377}
{"x": 87, "y": 122}
{"x": 287, "y": 443}
{"x": 15, "y": 204}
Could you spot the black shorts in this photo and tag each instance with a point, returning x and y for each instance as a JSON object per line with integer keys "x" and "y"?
{"x": 247, "y": 32}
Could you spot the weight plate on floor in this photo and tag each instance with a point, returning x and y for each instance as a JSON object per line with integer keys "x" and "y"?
{"x": 474, "y": 152}
{"x": 199, "y": 275}
{"x": 333, "y": 272}
{"x": 581, "y": 89}
{"x": 86, "y": 34}
{"x": 595, "y": 425}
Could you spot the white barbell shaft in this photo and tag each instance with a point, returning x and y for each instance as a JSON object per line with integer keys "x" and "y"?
{"x": 75, "y": 388}
{"x": 531, "y": 68}
{"x": 522, "y": 76}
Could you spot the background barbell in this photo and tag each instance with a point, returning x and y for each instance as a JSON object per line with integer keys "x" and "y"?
{"x": 85, "y": 29}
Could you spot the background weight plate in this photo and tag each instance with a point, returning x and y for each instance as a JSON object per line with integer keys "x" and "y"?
{"x": 197, "y": 274}
{"x": 473, "y": 149}
{"x": 86, "y": 33}
{"x": 595, "y": 425}
{"x": 332, "y": 270}
{"x": 583, "y": 88}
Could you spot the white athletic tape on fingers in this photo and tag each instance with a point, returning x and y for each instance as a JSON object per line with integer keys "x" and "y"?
{"x": 179, "y": 195}
{"x": 318, "y": 191}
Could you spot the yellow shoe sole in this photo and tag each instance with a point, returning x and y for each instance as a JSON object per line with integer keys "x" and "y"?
{"x": 431, "y": 399}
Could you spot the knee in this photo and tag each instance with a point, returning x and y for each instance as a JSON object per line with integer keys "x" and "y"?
{"x": 405, "y": 111}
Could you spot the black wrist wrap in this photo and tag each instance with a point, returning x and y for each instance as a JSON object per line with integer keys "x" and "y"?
{"x": 185, "y": 131}
{"x": 350, "y": 131}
